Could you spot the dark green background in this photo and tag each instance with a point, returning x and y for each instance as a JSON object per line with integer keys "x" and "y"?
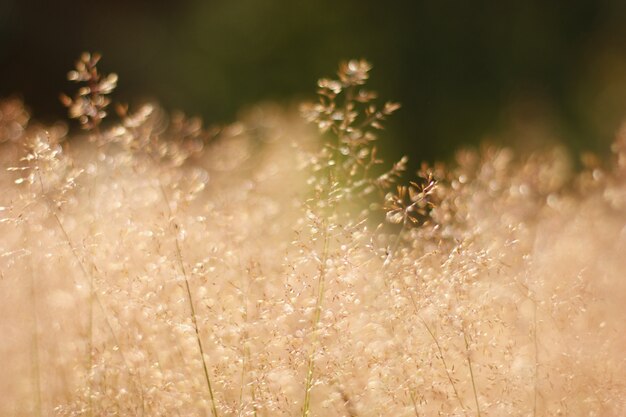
{"x": 464, "y": 71}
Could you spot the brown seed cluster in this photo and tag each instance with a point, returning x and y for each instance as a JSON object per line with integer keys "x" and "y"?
{"x": 90, "y": 102}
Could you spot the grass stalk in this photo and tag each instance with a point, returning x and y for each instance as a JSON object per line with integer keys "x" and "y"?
{"x": 471, "y": 370}
{"x": 192, "y": 309}
{"x": 93, "y": 294}
{"x": 246, "y": 351}
{"x": 443, "y": 361}
{"x": 200, "y": 348}
{"x": 306, "y": 407}
{"x": 441, "y": 355}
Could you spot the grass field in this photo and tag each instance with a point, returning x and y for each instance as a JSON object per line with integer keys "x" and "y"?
{"x": 152, "y": 267}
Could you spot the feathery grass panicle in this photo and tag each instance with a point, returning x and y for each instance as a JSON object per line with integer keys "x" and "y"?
{"x": 90, "y": 101}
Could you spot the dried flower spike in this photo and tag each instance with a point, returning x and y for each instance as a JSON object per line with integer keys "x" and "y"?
{"x": 90, "y": 102}
{"x": 412, "y": 202}
{"x": 347, "y": 110}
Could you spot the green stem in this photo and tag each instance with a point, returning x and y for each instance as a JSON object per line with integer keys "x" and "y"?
{"x": 306, "y": 408}
{"x": 194, "y": 319}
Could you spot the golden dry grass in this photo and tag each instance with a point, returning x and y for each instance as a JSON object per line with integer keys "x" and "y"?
{"x": 505, "y": 297}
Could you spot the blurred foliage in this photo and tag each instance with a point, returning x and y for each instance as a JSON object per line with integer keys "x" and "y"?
{"x": 464, "y": 71}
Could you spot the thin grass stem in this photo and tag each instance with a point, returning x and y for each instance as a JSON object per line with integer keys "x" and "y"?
{"x": 90, "y": 277}
{"x": 471, "y": 370}
{"x": 192, "y": 309}
{"x": 306, "y": 408}
{"x": 443, "y": 361}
